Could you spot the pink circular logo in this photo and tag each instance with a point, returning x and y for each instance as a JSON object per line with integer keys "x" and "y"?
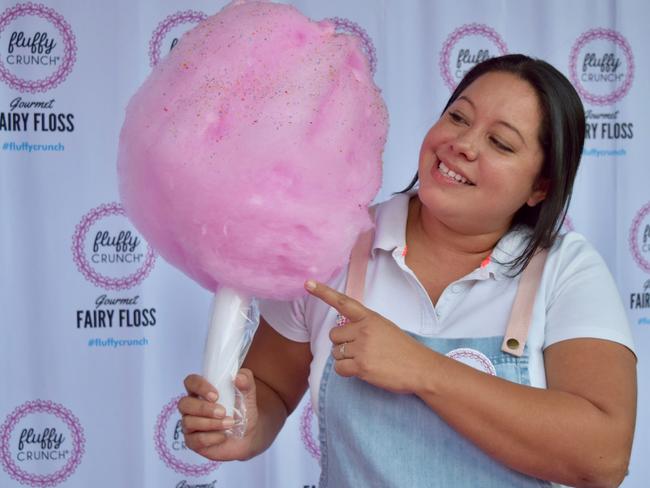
{"x": 307, "y": 431}
{"x": 465, "y": 47}
{"x": 639, "y": 238}
{"x": 39, "y": 48}
{"x": 567, "y": 225}
{"x": 352, "y": 28}
{"x": 170, "y": 446}
{"x": 169, "y": 31}
{"x": 108, "y": 251}
{"x": 475, "y": 359}
{"x": 42, "y": 443}
{"x": 601, "y": 66}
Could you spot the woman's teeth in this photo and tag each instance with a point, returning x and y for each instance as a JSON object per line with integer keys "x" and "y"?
{"x": 452, "y": 175}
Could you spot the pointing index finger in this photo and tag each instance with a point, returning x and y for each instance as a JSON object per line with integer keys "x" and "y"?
{"x": 346, "y": 306}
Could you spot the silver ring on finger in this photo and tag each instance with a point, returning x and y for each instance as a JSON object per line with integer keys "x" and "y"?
{"x": 342, "y": 350}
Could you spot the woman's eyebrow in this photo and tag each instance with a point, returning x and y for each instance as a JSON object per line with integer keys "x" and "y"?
{"x": 463, "y": 97}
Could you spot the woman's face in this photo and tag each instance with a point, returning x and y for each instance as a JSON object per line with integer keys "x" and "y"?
{"x": 479, "y": 163}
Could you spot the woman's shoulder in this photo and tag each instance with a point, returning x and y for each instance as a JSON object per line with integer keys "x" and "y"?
{"x": 571, "y": 246}
{"x": 581, "y": 295}
{"x": 573, "y": 259}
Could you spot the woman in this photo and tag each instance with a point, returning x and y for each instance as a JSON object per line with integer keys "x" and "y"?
{"x": 397, "y": 403}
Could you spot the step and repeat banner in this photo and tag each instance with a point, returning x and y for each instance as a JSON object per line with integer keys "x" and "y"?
{"x": 97, "y": 332}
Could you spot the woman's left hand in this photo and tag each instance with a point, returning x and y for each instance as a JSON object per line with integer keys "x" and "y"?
{"x": 371, "y": 347}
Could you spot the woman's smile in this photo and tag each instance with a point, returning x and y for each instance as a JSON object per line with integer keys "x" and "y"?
{"x": 449, "y": 175}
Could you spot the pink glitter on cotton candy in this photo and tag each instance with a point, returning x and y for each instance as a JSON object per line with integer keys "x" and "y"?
{"x": 249, "y": 156}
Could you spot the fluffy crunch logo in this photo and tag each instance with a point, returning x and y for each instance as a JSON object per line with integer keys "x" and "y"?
{"x": 601, "y": 66}
{"x": 309, "y": 431}
{"x": 168, "y": 32}
{"x": 108, "y": 251}
{"x": 41, "y": 443}
{"x": 37, "y": 48}
{"x": 475, "y": 359}
{"x": 639, "y": 238}
{"x": 170, "y": 445}
{"x": 567, "y": 225}
{"x": 465, "y": 47}
{"x": 352, "y": 28}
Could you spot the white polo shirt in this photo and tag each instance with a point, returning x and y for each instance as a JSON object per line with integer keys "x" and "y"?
{"x": 577, "y": 298}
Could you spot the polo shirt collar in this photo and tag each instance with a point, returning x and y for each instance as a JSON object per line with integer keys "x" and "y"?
{"x": 390, "y": 226}
{"x": 390, "y": 234}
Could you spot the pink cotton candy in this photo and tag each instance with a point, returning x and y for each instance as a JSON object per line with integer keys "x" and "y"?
{"x": 249, "y": 156}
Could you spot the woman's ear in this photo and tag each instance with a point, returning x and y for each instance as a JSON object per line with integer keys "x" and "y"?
{"x": 539, "y": 192}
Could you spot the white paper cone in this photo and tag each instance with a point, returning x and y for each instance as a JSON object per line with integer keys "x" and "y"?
{"x": 225, "y": 342}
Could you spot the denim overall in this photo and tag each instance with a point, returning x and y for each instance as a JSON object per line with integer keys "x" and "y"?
{"x": 371, "y": 437}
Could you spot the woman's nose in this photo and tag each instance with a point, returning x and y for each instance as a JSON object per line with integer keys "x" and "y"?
{"x": 465, "y": 145}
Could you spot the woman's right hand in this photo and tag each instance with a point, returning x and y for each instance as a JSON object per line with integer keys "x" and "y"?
{"x": 204, "y": 420}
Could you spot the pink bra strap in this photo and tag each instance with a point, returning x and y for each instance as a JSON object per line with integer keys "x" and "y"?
{"x": 356, "y": 280}
{"x": 522, "y": 309}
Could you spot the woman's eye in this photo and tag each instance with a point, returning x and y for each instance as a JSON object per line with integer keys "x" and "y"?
{"x": 456, "y": 117}
{"x": 500, "y": 145}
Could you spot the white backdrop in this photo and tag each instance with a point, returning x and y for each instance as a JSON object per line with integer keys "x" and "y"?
{"x": 97, "y": 333}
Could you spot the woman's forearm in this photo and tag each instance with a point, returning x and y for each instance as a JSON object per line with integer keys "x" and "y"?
{"x": 280, "y": 368}
{"x": 272, "y": 414}
{"x": 545, "y": 433}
